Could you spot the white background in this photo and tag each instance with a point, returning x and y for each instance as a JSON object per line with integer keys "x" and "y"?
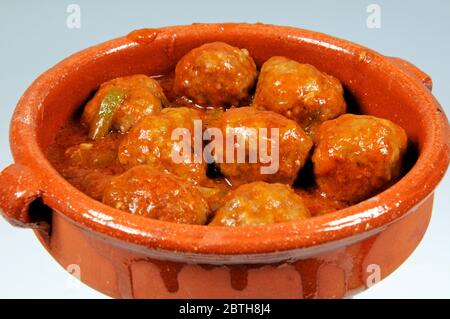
{"x": 34, "y": 36}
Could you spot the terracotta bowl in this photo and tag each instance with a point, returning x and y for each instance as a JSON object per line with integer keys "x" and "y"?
{"x": 122, "y": 255}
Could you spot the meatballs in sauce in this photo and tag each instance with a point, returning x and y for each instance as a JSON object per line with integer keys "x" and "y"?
{"x": 220, "y": 141}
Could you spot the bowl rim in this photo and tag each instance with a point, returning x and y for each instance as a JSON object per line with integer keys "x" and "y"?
{"x": 366, "y": 216}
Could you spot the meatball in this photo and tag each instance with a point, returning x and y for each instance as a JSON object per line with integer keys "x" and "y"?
{"x": 215, "y": 74}
{"x": 357, "y": 156}
{"x": 90, "y": 165}
{"x": 140, "y": 96}
{"x": 92, "y": 182}
{"x": 260, "y": 203}
{"x": 96, "y": 154}
{"x": 299, "y": 92}
{"x": 146, "y": 191}
{"x": 150, "y": 142}
{"x": 252, "y": 128}
{"x": 215, "y": 195}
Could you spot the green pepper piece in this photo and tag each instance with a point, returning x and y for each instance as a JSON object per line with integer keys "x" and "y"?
{"x": 108, "y": 107}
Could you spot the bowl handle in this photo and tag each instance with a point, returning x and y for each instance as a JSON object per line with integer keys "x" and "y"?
{"x": 413, "y": 70}
{"x": 21, "y": 201}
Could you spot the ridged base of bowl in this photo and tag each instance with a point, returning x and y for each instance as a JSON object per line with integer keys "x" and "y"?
{"x": 124, "y": 273}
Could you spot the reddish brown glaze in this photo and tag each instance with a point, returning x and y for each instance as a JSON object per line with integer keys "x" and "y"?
{"x": 169, "y": 273}
{"x": 19, "y": 189}
{"x": 124, "y": 271}
{"x": 415, "y": 71}
{"x": 143, "y": 36}
{"x": 98, "y": 237}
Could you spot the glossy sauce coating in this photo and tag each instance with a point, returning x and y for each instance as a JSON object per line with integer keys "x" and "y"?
{"x": 357, "y": 155}
{"x": 150, "y": 142}
{"x": 149, "y": 192}
{"x": 319, "y": 203}
{"x": 215, "y": 74}
{"x": 299, "y": 92}
{"x": 130, "y": 166}
{"x": 143, "y": 96}
{"x": 293, "y": 145}
{"x": 86, "y": 164}
{"x": 260, "y": 203}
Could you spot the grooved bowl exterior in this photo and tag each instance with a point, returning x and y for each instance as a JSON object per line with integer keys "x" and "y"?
{"x": 121, "y": 271}
{"x": 122, "y": 255}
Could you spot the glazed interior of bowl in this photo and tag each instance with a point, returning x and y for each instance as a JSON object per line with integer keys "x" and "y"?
{"x": 372, "y": 81}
